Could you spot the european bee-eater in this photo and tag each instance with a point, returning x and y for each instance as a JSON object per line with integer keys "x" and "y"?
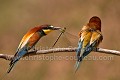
{"x": 29, "y": 40}
{"x": 89, "y": 38}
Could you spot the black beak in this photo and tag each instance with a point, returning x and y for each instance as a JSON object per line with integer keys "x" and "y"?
{"x": 56, "y": 28}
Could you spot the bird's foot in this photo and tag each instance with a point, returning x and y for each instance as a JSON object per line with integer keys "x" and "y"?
{"x": 95, "y": 49}
{"x": 34, "y": 49}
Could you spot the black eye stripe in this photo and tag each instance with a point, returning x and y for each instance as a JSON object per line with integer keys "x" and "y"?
{"x": 42, "y": 32}
{"x": 47, "y": 28}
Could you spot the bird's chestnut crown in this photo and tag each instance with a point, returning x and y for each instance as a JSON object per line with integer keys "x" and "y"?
{"x": 96, "y": 20}
{"x": 95, "y": 23}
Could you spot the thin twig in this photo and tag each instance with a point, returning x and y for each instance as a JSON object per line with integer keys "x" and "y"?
{"x": 56, "y": 50}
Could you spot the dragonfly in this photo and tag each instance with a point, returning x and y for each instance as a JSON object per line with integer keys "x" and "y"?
{"x": 66, "y": 38}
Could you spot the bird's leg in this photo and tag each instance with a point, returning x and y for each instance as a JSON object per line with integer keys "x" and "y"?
{"x": 95, "y": 49}
{"x": 33, "y": 49}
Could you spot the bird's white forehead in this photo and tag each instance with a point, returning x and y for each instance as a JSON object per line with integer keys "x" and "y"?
{"x": 51, "y": 26}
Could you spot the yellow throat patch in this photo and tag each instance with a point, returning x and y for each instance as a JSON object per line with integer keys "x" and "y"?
{"x": 47, "y": 31}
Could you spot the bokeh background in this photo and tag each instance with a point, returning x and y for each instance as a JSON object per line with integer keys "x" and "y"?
{"x": 18, "y": 16}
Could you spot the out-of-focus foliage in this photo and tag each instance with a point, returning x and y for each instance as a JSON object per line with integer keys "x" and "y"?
{"x": 17, "y": 16}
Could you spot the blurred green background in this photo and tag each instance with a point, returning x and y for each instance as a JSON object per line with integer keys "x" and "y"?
{"x": 18, "y": 16}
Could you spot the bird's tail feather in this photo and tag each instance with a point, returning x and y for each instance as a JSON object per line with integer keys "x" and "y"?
{"x": 8, "y": 71}
{"x": 11, "y": 67}
{"x": 77, "y": 65}
{"x": 15, "y": 60}
{"x": 12, "y": 64}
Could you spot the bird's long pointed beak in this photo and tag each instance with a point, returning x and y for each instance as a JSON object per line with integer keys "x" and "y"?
{"x": 46, "y": 31}
{"x": 56, "y": 28}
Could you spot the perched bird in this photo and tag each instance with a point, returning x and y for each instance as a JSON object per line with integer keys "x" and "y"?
{"x": 89, "y": 38}
{"x": 29, "y": 40}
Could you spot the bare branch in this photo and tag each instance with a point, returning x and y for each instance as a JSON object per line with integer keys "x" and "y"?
{"x": 56, "y": 50}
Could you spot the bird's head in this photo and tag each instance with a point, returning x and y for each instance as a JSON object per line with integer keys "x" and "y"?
{"x": 95, "y": 21}
{"x": 48, "y": 28}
